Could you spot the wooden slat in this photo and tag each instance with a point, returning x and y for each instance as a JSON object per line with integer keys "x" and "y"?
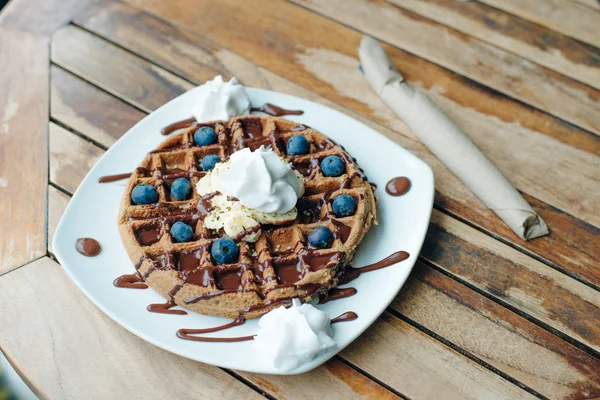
{"x": 134, "y": 75}
{"x": 39, "y": 16}
{"x": 267, "y": 36}
{"x": 336, "y": 76}
{"x": 187, "y": 56}
{"x": 543, "y": 46}
{"x": 71, "y": 102}
{"x": 422, "y": 371}
{"x": 571, "y": 245}
{"x": 334, "y": 378}
{"x": 70, "y": 158}
{"x": 57, "y": 203}
{"x": 567, "y": 17}
{"x": 23, "y": 147}
{"x": 526, "y": 284}
{"x": 71, "y": 350}
{"x": 502, "y": 71}
{"x": 497, "y": 336}
{"x": 594, "y": 4}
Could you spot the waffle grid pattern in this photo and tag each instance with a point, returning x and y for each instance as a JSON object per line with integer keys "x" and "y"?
{"x": 280, "y": 265}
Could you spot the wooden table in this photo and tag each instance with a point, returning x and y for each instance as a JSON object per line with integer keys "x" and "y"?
{"x": 483, "y": 315}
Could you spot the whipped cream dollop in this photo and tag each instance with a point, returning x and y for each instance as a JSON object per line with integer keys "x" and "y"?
{"x": 262, "y": 181}
{"x": 253, "y": 188}
{"x": 221, "y": 100}
{"x": 292, "y": 336}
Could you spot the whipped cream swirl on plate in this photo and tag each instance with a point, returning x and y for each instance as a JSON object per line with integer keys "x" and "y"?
{"x": 292, "y": 336}
{"x": 221, "y": 100}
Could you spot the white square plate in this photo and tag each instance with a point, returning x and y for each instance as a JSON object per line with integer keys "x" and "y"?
{"x": 92, "y": 212}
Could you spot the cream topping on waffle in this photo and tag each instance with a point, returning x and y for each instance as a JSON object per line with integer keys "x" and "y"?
{"x": 254, "y": 188}
{"x": 262, "y": 181}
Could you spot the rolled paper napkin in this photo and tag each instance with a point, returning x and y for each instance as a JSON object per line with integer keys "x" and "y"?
{"x": 452, "y": 146}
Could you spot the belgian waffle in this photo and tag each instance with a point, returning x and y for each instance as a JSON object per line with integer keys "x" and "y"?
{"x": 281, "y": 265}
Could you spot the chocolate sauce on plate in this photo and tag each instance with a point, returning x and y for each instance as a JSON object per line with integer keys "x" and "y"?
{"x": 353, "y": 273}
{"x": 398, "y": 186}
{"x": 87, "y": 246}
{"x": 345, "y": 317}
{"x": 337, "y": 294}
{"x": 276, "y": 111}
{"x": 113, "y": 178}
{"x": 186, "y": 334}
{"x": 186, "y": 123}
{"x": 130, "y": 281}
{"x": 165, "y": 308}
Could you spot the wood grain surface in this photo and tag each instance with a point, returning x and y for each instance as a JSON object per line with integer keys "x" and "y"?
{"x": 77, "y": 104}
{"x": 483, "y": 315}
{"x": 557, "y": 15}
{"x": 576, "y": 257}
{"x": 498, "y": 336}
{"x": 528, "y": 40}
{"x": 261, "y": 30}
{"x": 39, "y": 16}
{"x": 24, "y": 87}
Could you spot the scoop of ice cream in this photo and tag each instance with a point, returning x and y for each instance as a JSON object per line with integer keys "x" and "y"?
{"x": 295, "y": 335}
{"x": 221, "y": 101}
{"x": 262, "y": 181}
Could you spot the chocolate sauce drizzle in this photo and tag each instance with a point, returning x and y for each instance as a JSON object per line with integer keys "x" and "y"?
{"x": 186, "y": 123}
{"x": 276, "y": 111}
{"x": 337, "y": 294}
{"x": 88, "y": 247}
{"x": 186, "y": 334}
{"x": 398, "y": 186}
{"x": 113, "y": 178}
{"x": 130, "y": 281}
{"x": 345, "y": 317}
{"x": 165, "y": 308}
{"x": 394, "y": 258}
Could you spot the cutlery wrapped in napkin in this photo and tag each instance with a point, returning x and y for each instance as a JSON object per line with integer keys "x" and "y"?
{"x": 448, "y": 142}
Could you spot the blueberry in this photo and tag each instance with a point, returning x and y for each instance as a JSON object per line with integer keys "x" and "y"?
{"x": 181, "y": 189}
{"x": 205, "y": 136}
{"x": 209, "y": 162}
{"x": 333, "y": 166}
{"x": 344, "y": 205}
{"x": 144, "y": 194}
{"x": 321, "y": 237}
{"x": 181, "y": 232}
{"x": 297, "y": 145}
{"x": 225, "y": 251}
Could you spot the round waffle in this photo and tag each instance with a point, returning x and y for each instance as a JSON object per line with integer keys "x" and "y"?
{"x": 281, "y": 265}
